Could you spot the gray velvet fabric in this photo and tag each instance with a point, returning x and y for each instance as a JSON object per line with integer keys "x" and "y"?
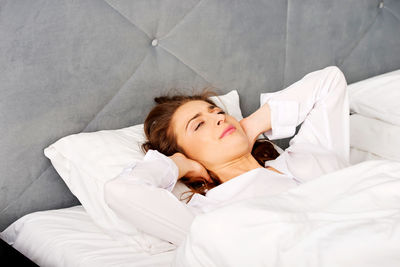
{"x": 79, "y": 66}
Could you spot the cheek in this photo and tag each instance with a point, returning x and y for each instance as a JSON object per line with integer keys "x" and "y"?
{"x": 198, "y": 147}
{"x": 210, "y": 150}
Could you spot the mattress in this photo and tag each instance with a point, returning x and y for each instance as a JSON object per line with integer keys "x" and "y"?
{"x": 358, "y": 155}
{"x": 68, "y": 237}
{"x": 375, "y": 118}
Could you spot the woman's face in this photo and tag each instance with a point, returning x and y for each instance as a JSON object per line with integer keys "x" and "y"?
{"x": 199, "y": 128}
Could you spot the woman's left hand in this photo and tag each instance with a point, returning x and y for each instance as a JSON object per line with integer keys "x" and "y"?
{"x": 257, "y": 123}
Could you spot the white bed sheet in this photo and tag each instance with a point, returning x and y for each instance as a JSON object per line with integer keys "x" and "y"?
{"x": 68, "y": 237}
{"x": 346, "y": 218}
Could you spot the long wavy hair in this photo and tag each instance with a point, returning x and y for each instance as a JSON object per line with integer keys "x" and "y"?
{"x": 160, "y": 137}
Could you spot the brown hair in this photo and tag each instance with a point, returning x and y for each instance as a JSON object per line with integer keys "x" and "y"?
{"x": 161, "y": 137}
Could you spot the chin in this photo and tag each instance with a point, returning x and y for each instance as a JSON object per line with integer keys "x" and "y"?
{"x": 239, "y": 147}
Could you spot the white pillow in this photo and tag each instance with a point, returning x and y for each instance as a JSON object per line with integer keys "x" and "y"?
{"x": 376, "y": 137}
{"x": 377, "y": 97}
{"x": 86, "y": 161}
{"x": 229, "y": 103}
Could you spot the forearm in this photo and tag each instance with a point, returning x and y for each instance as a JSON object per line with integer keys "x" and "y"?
{"x": 292, "y": 105}
{"x": 155, "y": 170}
{"x": 154, "y": 211}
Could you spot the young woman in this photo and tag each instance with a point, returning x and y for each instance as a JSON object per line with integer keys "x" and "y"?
{"x": 220, "y": 159}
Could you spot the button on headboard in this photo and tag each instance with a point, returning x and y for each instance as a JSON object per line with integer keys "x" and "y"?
{"x": 73, "y": 66}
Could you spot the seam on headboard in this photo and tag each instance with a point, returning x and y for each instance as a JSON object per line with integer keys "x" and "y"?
{"x": 341, "y": 61}
{"x": 392, "y": 12}
{"x": 122, "y": 15}
{"x": 116, "y": 93}
{"x": 23, "y": 191}
{"x": 174, "y": 27}
{"x": 193, "y": 69}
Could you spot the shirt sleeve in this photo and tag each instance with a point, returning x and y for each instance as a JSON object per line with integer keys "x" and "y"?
{"x": 320, "y": 102}
{"x": 141, "y": 196}
{"x": 284, "y": 116}
{"x": 156, "y": 170}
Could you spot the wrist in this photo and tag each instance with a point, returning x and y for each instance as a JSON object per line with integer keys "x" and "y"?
{"x": 262, "y": 117}
{"x": 179, "y": 162}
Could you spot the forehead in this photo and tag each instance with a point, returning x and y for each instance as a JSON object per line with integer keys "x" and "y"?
{"x": 194, "y": 105}
{"x": 185, "y": 112}
{"x": 189, "y": 109}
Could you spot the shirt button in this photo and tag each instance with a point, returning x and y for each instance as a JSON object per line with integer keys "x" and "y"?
{"x": 154, "y": 42}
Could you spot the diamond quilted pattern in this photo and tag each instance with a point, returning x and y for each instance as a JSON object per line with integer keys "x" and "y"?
{"x": 56, "y": 54}
{"x": 208, "y": 45}
{"x": 157, "y": 74}
{"x": 160, "y": 16}
{"x": 322, "y": 33}
{"x": 383, "y": 36}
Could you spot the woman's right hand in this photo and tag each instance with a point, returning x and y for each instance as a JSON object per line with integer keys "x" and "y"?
{"x": 189, "y": 168}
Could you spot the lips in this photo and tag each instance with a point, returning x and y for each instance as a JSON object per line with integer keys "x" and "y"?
{"x": 230, "y": 129}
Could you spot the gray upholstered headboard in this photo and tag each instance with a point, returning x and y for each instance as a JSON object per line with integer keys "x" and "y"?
{"x": 70, "y": 66}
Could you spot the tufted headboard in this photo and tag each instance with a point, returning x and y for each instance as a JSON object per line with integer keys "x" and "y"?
{"x": 79, "y": 66}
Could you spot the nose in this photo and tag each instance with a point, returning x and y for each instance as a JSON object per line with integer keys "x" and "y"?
{"x": 220, "y": 118}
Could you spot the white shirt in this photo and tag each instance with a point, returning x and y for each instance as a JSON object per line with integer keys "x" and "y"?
{"x": 319, "y": 101}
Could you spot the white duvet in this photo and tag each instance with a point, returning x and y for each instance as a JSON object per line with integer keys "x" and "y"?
{"x": 347, "y": 218}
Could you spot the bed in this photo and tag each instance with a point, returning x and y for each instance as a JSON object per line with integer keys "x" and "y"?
{"x": 71, "y": 68}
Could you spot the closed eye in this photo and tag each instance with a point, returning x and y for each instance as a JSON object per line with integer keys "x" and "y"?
{"x": 201, "y": 123}
{"x": 198, "y": 125}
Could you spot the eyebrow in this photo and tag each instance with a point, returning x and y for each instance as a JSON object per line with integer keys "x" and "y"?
{"x": 210, "y": 107}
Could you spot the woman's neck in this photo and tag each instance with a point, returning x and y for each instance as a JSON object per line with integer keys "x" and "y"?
{"x": 235, "y": 167}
